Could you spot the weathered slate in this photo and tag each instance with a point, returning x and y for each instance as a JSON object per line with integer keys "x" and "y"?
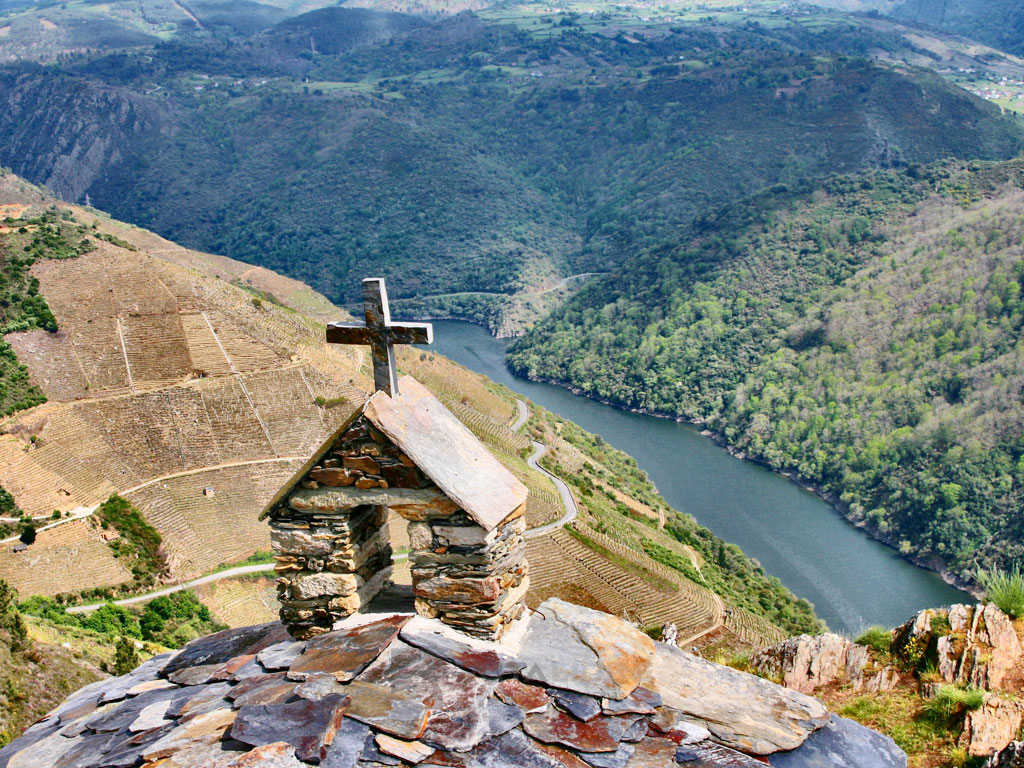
{"x": 387, "y": 709}
{"x": 599, "y": 735}
{"x": 418, "y": 423}
{"x": 578, "y": 705}
{"x": 741, "y": 710}
{"x": 347, "y": 652}
{"x": 347, "y": 746}
{"x": 309, "y": 726}
{"x": 459, "y": 718}
{"x": 843, "y": 742}
{"x": 225, "y": 645}
{"x": 579, "y": 649}
{"x": 476, "y": 657}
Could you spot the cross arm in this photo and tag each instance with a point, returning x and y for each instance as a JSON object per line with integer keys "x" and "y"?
{"x": 411, "y": 333}
{"x": 348, "y": 333}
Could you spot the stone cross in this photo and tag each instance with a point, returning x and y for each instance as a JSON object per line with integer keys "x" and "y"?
{"x": 380, "y": 334}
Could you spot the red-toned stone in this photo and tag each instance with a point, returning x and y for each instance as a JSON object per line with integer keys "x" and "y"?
{"x": 362, "y": 463}
{"x": 529, "y": 698}
{"x": 468, "y": 591}
{"x": 347, "y": 652}
{"x": 336, "y": 477}
{"x": 401, "y": 476}
{"x": 599, "y": 735}
{"x": 309, "y": 726}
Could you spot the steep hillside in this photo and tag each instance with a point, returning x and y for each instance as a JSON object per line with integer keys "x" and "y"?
{"x": 864, "y": 333}
{"x": 999, "y": 23}
{"x": 193, "y": 386}
{"x": 484, "y": 156}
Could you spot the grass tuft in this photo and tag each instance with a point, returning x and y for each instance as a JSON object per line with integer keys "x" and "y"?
{"x": 1005, "y": 589}
{"x": 876, "y": 638}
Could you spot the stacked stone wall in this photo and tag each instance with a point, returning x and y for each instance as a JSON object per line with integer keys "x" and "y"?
{"x": 467, "y": 577}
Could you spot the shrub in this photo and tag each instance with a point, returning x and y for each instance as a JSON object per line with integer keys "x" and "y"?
{"x": 877, "y": 638}
{"x": 28, "y": 534}
{"x": 126, "y": 657}
{"x": 952, "y": 700}
{"x": 1005, "y": 589}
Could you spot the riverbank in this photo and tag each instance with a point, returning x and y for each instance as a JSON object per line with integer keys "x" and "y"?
{"x": 828, "y": 496}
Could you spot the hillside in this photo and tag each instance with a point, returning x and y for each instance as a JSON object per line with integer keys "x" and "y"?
{"x": 480, "y": 158}
{"x": 863, "y": 333}
{"x": 193, "y": 386}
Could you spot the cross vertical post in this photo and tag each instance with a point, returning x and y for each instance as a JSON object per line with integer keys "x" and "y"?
{"x": 380, "y": 334}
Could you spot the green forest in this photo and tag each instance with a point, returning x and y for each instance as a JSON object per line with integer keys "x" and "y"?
{"x": 863, "y": 332}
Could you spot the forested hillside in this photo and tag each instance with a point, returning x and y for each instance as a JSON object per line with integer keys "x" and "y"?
{"x": 863, "y": 332}
{"x": 471, "y": 155}
{"x": 999, "y": 23}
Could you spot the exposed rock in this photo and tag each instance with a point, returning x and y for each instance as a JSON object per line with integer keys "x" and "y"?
{"x": 805, "y": 663}
{"x": 1010, "y": 757}
{"x": 990, "y": 728}
{"x": 843, "y": 743}
{"x": 741, "y": 710}
{"x": 586, "y": 651}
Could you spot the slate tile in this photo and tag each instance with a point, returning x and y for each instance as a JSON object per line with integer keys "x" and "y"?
{"x": 346, "y": 652}
{"x": 477, "y": 659}
{"x": 579, "y": 649}
{"x": 277, "y": 755}
{"x": 87, "y": 751}
{"x": 530, "y": 698}
{"x": 126, "y": 750}
{"x": 387, "y": 709}
{"x": 201, "y": 699}
{"x": 502, "y": 717}
{"x": 309, "y": 726}
{"x": 151, "y": 717}
{"x": 200, "y": 731}
{"x": 581, "y": 707}
{"x": 251, "y": 668}
{"x": 843, "y": 742}
{"x": 510, "y": 750}
{"x": 125, "y": 713}
{"x": 197, "y": 675}
{"x": 273, "y": 688}
{"x": 642, "y": 701}
{"x": 456, "y": 698}
{"x": 407, "y": 751}
{"x": 711, "y": 755}
{"x": 281, "y": 655}
{"x": 150, "y": 685}
{"x": 43, "y": 747}
{"x": 636, "y": 731}
{"x": 318, "y": 686}
{"x": 225, "y": 645}
{"x": 227, "y": 670}
{"x": 599, "y": 735}
{"x": 373, "y": 754}
{"x": 655, "y": 753}
{"x": 347, "y": 746}
{"x": 617, "y": 759}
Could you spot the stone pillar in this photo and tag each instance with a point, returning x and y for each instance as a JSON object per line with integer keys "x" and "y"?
{"x": 470, "y": 578}
{"x": 329, "y": 563}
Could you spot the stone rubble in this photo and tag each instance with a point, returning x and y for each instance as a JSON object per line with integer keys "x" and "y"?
{"x": 370, "y": 693}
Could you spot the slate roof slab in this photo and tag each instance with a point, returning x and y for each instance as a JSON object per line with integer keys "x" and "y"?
{"x": 375, "y": 699}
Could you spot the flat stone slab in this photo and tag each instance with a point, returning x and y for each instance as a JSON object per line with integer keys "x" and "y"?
{"x": 346, "y": 652}
{"x": 478, "y": 657}
{"x": 309, "y": 726}
{"x": 586, "y": 651}
{"x": 457, "y": 699}
{"x": 274, "y": 688}
{"x": 465, "y": 470}
{"x": 529, "y": 698}
{"x": 578, "y": 705}
{"x": 599, "y": 735}
{"x": 843, "y": 742}
{"x": 347, "y": 745}
{"x": 225, "y": 645}
{"x": 387, "y": 709}
{"x": 741, "y": 710}
{"x": 281, "y": 655}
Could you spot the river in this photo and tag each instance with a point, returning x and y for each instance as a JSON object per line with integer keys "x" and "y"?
{"x": 852, "y": 580}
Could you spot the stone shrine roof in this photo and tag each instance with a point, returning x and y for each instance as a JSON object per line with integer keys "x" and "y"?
{"x": 576, "y": 688}
{"x": 447, "y": 452}
{"x": 441, "y": 446}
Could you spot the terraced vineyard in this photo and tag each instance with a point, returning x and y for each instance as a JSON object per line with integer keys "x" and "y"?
{"x": 197, "y": 399}
{"x": 241, "y": 602}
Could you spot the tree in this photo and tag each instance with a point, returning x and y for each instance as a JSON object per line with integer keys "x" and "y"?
{"x": 10, "y": 618}
{"x": 28, "y": 534}
{"x": 126, "y": 657}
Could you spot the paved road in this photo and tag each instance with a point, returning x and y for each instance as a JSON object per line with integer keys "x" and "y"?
{"x": 524, "y": 414}
{"x": 229, "y": 573}
{"x": 77, "y": 516}
{"x": 571, "y": 510}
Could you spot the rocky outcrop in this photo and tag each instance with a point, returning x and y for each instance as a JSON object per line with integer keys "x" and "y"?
{"x": 991, "y": 727}
{"x": 806, "y": 663}
{"x": 1010, "y": 757}
{"x": 586, "y": 689}
{"x": 971, "y": 645}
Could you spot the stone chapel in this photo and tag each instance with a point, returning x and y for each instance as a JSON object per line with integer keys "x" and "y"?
{"x": 405, "y": 452}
